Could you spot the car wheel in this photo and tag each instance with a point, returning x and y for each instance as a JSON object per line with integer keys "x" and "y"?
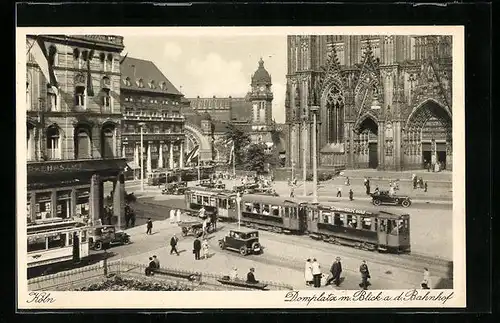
{"x": 405, "y": 203}
{"x": 98, "y": 245}
{"x": 376, "y": 202}
{"x": 222, "y": 245}
{"x": 126, "y": 240}
{"x": 243, "y": 251}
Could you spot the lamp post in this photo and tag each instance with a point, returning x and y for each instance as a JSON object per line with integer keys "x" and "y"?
{"x": 314, "y": 110}
{"x": 141, "y": 124}
{"x": 199, "y": 171}
{"x": 304, "y": 157}
{"x": 238, "y": 208}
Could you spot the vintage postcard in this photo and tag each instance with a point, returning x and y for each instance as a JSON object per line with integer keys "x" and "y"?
{"x": 311, "y": 167}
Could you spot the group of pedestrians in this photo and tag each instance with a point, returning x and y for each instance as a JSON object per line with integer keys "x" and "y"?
{"x": 154, "y": 263}
{"x": 418, "y": 182}
{"x": 198, "y": 246}
{"x": 314, "y": 276}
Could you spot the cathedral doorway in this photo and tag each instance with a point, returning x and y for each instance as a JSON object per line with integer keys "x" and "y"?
{"x": 367, "y": 143}
{"x": 429, "y": 136}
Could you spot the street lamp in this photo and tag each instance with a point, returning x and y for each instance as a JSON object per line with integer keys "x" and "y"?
{"x": 314, "y": 109}
{"x": 238, "y": 208}
{"x": 142, "y": 124}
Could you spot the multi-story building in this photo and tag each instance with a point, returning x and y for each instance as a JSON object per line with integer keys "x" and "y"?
{"x": 151, "y": 102}
{"x": 73, "y": 125}
{"x": 383, "y": 101}
{"x": 252, "y": 113}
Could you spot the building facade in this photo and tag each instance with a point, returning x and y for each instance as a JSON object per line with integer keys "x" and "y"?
{"x": 383, "y": 102}
{"x": 252, "y": 113}
{"x": 73, "y": 115}
{"x": 151, "y": 102}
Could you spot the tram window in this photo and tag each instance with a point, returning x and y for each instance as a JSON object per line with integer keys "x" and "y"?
{"x": 205, "y": 200}
{"x": 37, "y": 244}
{"x": 276, "y": 210}
{"x": 287, "y": 212}
{"x": 84, "y": 236}
{"x": 248, "y": 207}
{"x": 70, "y": 239}
{"x": 212, "y": 201}
{"x": 366, "y": 223}
{"x": 223, "y": 203}
{"x": 232, "y": 203}
{"x": 325, "y": 216}
{"x": 58, "y": 241}
{"x": 338, "y": 220}
{"x": 315, "y": 215}
{"x": 265, "y": 210}
{"x": 394, "y": 227}
{"x": 352, "y": 221}
{"x": 256, "y": 208}
{"x": 198, "y": 200}
{"x": 194, "y": 199}
{"x": 383, "y": 225}
{"x": 403, "y": 227}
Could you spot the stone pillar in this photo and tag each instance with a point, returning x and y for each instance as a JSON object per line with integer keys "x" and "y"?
{"x": 119, "y": 199}
{"x": 32, "y": 206}
{"x": 123, "y": 151}
{"x": 397, "y": 143}
{"x": 181, "y": 155}
{"x": 73, "y": 202}
{"x": 381, "y": 145}
{"x": 171, "y": 155}
{"x": 160, "y": 155}
{"x": 433, "y": 152}
{"x": 95, "y": 196}
{"x": 148, "y": 161}
{"x": 136, "y": 154}
{"x": 350, "y": 162}
{"x": 53, "y": 203}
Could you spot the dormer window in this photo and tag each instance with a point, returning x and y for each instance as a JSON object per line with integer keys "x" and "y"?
{"x": 152, "y": 85}
{"x": 140, "y": 83}
{"x": 163, "y": 86}
{"x": 128, "y": 82}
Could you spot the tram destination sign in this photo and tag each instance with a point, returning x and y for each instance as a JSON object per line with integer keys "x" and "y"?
{"x": 69, "y": 166}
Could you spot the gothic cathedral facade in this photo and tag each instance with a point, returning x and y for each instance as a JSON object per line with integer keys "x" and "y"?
{"x": 383, "y": 102}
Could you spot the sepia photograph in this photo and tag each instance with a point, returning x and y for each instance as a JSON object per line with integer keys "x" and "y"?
{"x": 308, "y": 167}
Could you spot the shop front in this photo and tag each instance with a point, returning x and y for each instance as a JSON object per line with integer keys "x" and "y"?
{"x": 73, "y": 189}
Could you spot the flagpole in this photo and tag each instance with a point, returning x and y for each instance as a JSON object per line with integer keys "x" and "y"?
{"x": 234, "y": 168}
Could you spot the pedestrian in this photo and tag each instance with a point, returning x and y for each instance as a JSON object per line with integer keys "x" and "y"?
{"x": 204, "y": 246}
{"x": 251, "y": 277}
{"x": 149, "y": 226}
{"x": 426, "y": 282}
{"x": 196, "y": 248}
{"x": 347, "y": 181}
{"x": 308, "y": 273}
{"x": 365, "y": 275}
{"x": 425, "y": 186}
{"x": 178, "y": 215}
{"x": 172, "y": 216}
{"x": 376, "y": 190}
{"x": 368, "y": 188}
{"x": 151, "y": 266}
{"x": 156, "y": 261}
{"x": 391, "y": 191}
{"x": 233, "y": 275}
{"x": 339, "y": 191}
{"x": 292, "y": 194}
{"x": 335, "y": 272}
{"x": 316, "y": 271}
{"x": 351, "y": 194}
{"x": 201, "y": 213}
{"x": 173, "y": 244}
{"x": 132, "y": 219}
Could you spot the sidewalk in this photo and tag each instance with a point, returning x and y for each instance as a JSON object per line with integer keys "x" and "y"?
{"x": 431, "y": 177}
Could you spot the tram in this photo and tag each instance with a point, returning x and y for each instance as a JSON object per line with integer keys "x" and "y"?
{"x": 219, "y": 204}
{"x": 56, "y": 241}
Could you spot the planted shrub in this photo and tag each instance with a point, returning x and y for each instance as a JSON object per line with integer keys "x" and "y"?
{"x": 118, "y": 283}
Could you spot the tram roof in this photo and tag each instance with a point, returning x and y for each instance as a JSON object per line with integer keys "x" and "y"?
{"x": 268, "y": 199}
{"x": 213, "y": 191}
{"x": 359, "y": 210}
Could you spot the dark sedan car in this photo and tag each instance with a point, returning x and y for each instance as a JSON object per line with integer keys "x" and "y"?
{"x": 383, "y": 197}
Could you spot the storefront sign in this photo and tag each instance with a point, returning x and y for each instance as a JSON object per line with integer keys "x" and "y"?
{"x": 75, "y": 165}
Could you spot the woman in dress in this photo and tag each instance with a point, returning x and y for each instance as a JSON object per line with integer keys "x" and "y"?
{"x": 204, "y": 247}
{"x": 308, "y": 273}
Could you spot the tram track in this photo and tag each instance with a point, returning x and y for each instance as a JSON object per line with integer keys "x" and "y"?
{"x": 412, "y": 262}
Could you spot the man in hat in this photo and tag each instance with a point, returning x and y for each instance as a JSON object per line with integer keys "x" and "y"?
{"x": 335, "y": 270}
{"x": 251, "y": 277}
{"x": 365, "y": 275}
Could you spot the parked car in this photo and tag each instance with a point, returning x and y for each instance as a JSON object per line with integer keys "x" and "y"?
{"x": 175, "y": 188}
{"x": 104, "y": 236}
{"x": 244, "y": 241}
{"x": 383, "y": 197}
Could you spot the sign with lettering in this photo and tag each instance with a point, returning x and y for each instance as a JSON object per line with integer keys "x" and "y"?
{"x": 75, "y": 165}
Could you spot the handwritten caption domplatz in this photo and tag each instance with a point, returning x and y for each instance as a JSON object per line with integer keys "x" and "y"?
{"x": 369, "y": 296}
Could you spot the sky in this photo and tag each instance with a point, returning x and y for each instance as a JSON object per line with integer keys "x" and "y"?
{"x": 217, "y": 65}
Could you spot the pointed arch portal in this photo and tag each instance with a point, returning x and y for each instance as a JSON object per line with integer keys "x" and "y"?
{"x": 366, "y": 141}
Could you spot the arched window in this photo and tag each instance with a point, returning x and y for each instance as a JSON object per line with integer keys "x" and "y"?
{"x": 108, "y": 141}
{"x": 80, "y": 97}
{"x": 128, "y": 82}
{"x": 163, "y": 86}
{"x": 106, "y": 94}
{"x": 30, "y": 151}
{"x": 83, "y": 142}
{"x": 152, "y": 85}
{"x": 140, "y": 83}
{"x": 52, "y": 98}
{"x": 53, "y": 143}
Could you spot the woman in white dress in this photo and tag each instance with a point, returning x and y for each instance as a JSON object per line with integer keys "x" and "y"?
{"x": 308, "y": 276}
{"x": 204, "y": 247}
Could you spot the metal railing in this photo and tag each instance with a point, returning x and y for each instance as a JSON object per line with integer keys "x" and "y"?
{"x": 85, "y": 276}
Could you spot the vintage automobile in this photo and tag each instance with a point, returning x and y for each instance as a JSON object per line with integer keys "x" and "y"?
{"x": 104, "y": 236}
{"x": 175, "y": 188}
{"x": 263, "y": 191}
{"x": 244, "y": 241}
{"x": 246, "y": 188}
{"x": 383, "y": 197}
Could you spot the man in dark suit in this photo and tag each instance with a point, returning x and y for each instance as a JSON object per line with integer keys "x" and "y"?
{"x": 173, "y": 245}
{"x": 251, "y": 277}
{"x": 365, "y": 275}
{"x": 336, "y": 270}
{"x": 196, "y": 248}
{"x": 149, "y": 226}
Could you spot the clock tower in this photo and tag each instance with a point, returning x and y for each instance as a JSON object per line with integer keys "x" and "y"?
{"x": 261, "y": 96}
